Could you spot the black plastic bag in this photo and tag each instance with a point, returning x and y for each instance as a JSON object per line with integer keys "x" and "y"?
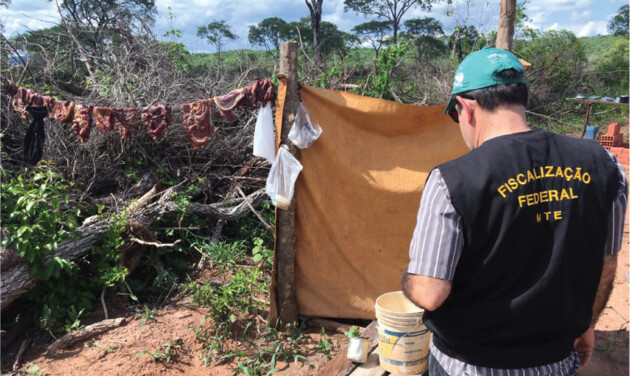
{"x": 35, "y": 136}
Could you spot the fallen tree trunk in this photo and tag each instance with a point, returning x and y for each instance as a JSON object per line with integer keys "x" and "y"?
{"x": 87, "y": 332}
{"x": 15, "y": 281}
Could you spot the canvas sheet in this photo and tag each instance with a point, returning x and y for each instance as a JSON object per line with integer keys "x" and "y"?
{"x": 358, "y": 197}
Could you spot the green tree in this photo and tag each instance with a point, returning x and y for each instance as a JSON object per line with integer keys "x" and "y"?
{"x": 391, "y": 10}
{"x": 425, "y": 32}
{"x": 376, "y": 32}
{"x": 558, "y": 60}
{"x": 217, "y": 32}
{"x": 268, "y": 33}
{"x": 332, "y": 40}
{"x": 96, "y": 25}
{"x": 463, "y": 41}
{"x": 315, "y": 10}
{"x": 613, "y": 68}
{"x": 619, "y": 24}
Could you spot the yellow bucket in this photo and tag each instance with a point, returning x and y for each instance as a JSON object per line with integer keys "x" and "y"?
{"x": 403, "y": 340}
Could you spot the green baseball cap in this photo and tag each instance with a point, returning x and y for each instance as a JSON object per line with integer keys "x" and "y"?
{"x": 479, "y": 69}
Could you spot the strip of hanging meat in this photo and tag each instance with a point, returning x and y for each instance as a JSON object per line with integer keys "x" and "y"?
{"x": 9, "y": 87}
{"x": 35, "y": 99}
{"x": 197, "y": 122}
{"x": 82, "y": 121}
{"x": 265, "y": 91}
{"x": 63, "y": 111}
{"x": 105, "y": 119}
{"x": 127, "y": 120}
{"x": 26, "y": 97}
{"x": 157, "y": 118}
{"x": 20, "y": 101}
{"x": 49, "y": 102}
{"x": 247, "y": 97}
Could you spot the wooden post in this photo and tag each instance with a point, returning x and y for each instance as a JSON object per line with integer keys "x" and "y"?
{"x": 505, "y": 34}
{"x": 285, "y": 220}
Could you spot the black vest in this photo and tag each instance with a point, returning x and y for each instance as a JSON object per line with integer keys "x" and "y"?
{"x": 535, "y": 209}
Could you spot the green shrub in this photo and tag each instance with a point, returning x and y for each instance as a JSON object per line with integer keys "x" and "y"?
{"x": 31, "y": 212}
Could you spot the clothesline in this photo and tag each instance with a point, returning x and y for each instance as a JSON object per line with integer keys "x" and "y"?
{"x": 157, "y": 118}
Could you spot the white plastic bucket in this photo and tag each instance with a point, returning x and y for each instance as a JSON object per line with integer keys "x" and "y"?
{"x": 403, "y": 339}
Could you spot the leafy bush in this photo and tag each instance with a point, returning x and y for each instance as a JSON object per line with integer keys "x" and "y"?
{"x": 31, "y": 212}
{"x": 613, "y": 68}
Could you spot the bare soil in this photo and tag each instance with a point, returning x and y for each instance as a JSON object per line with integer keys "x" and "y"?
{"x": 118, "y": 351}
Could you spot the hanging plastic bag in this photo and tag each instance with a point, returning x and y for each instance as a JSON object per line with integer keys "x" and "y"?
{"x": 282, "y": 176}
{"x": 264, "y": 135}
{"x": 303, "y": 133}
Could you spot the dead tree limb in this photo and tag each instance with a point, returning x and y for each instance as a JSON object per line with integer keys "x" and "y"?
{"x": 85, "y": 333}
{"x": 15, "y": 281}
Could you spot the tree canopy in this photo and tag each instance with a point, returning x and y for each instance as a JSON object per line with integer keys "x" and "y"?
{"x": 619, "y": 24}
{"x": 376, "y": 32}
{"x": 217, "y": 32}
{"x": 268, "y": 33}
{"x": 425, "y": 32}
{"x": 391, "y": 10}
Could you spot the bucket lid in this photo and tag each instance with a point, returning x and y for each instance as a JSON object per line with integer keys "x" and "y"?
{"x": 397, "y": 303}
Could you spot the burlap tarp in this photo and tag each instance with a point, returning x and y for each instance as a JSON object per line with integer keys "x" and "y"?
{"x": 358, "y": 197}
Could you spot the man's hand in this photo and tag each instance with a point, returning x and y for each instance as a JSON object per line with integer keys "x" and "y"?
{"x": 584, "y": 346}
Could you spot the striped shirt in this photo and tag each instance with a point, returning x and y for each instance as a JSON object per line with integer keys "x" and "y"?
{"x": 437, "y": 244}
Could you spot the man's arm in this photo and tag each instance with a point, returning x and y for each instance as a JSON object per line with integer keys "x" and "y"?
{"x": 435, "y": 248}
{"x": 426, "y": 292}
{"x": 586, "y": 342}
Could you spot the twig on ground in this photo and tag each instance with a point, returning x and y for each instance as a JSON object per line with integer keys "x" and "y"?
{"x": 18, "y": 358}
{"x": 103, "y": 303}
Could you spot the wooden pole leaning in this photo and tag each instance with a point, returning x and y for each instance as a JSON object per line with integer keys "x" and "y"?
{"x": 505, "y": 33}
{"x": 285, "y": 219}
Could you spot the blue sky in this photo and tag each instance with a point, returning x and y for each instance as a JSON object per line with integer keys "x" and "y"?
{"x": 583, "y": 17}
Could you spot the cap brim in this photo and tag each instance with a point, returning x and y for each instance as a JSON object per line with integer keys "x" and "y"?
{"x": 450, "y": 105}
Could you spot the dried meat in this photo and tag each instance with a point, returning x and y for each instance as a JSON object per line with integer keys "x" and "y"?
{"x": 49, "y": 102}
{"x": 127, "y": 120}
{"x": 157, "y": 118}
{"x": 63, "y": 111}
{"x": 197, "y": 122}
{"x": 247, "y": 97}
{"x": 105, "y": 119}
{"x": 35, "y": 99}
{"x": 9, "y": 87}
{"x": 82, "y": 121}
{"x": 20, "y": 101}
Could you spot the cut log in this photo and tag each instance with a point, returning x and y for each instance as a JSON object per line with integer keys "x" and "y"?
{"x": 15, "y": 281}
{"x": 85, "y": 333}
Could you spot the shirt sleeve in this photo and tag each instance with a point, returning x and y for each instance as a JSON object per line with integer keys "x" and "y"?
{"x": 617, "y": 218}
{"x": 438, "y": 238}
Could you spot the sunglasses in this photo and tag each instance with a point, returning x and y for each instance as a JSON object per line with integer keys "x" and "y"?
{"x": 454, "y": 114}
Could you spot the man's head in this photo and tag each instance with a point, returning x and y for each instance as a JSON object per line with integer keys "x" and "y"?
{"x": 492, "y": 77}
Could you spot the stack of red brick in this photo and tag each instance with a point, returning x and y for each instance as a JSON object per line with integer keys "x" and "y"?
{"x": 613, "y": 141}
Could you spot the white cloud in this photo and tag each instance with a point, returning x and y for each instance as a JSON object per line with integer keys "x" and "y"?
{"x": 593, "y": 28}
{"x": 557, "y": 5}
{"x": 580, "y": 16}
{"x": 553, "y": 27}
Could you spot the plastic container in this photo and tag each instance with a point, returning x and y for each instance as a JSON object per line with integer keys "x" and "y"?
{"x": 403, "y": 339}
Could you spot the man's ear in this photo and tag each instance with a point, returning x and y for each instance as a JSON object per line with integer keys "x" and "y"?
{"x": 468, "y": 108}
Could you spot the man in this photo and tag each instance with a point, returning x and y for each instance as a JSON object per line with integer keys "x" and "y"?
{"x": 514, "y": 252}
